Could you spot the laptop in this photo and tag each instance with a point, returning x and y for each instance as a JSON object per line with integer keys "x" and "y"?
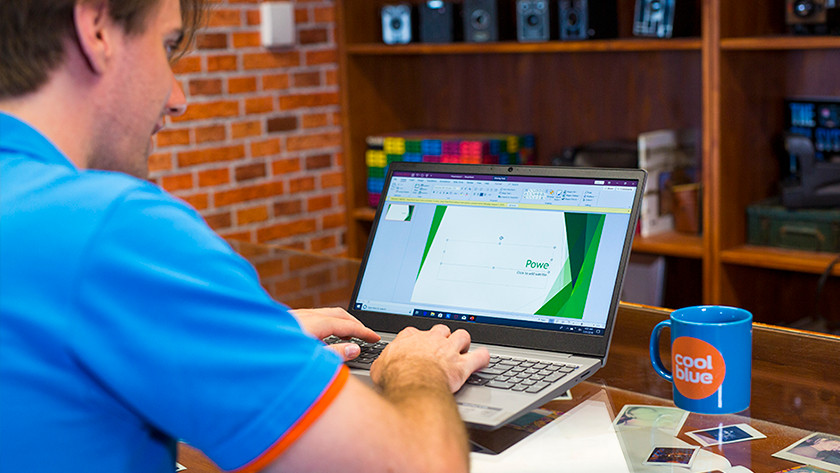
{"x": 528, "y": 259}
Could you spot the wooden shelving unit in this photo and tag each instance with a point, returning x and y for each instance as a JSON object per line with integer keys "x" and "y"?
{"x": 730, "y": 82}
{"x": 604, "y": 45}
{"x": 781, "y": 259}
{"x": 671, "y": 244}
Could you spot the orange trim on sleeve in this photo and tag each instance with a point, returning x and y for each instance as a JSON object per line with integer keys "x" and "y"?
{"x": 308, "y": 418}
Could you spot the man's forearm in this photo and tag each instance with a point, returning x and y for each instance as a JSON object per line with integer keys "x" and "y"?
{"x": 411, "y": 426}
{"x": 420, "y": 391}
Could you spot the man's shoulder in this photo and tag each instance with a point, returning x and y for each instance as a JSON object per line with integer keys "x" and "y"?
{"x": 77, "y": 205}
{"x": 114, "y": 187}
{"x": 62, "y": 188}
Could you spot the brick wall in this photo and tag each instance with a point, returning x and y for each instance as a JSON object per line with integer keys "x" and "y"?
{"x": 258, "y": 151}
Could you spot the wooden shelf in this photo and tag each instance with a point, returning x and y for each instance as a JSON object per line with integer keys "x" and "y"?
{"x": 670, "y": 244}
{"x": 780, "y": 259}
{"x": 780, "y": 43}
{"x": 730, "y": 83}
{"x": 550, "y": 47}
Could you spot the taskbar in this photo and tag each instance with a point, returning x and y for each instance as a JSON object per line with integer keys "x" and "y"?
{"x": 556, "y": 326}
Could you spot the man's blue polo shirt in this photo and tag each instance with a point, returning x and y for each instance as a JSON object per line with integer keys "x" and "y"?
{"x": 127, "y": 323}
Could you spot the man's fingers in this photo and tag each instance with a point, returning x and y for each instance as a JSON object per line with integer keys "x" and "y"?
{"x": 461, "y": 338}
{"x": 353, "y": 328}
{"x": 477, "y": 359}
{"x": 347, "y": 351}
{"x": 441, "y": 329}
{"x": 338, "y": 312}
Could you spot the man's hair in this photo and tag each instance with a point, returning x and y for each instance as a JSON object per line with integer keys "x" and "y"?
{"x": 33, "y": 34}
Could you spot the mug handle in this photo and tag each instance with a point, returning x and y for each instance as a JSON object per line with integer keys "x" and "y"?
{"x": 655, "y": 359}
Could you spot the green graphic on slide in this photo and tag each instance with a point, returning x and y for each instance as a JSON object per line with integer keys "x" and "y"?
{"x": 439, "y": 211}
{"x": 583, "y": 232}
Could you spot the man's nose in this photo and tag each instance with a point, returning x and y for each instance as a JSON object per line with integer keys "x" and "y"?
{"x": 177, "y": 103}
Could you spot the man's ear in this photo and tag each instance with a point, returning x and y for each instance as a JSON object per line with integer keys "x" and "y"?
{"x": 93, "y": 33}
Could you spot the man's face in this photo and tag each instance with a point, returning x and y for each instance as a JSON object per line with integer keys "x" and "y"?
{"x": 139, "y": 91}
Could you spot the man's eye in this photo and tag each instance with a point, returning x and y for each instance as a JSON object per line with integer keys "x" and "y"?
{"x": 172, "y": 48}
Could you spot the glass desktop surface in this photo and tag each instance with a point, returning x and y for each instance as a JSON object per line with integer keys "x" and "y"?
{"x": 795, "y": 387}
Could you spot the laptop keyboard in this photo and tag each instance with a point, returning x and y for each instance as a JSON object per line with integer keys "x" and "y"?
{"x": 370, "y": 351}
{"x": 520, "y": 374}
{"x": 503, "y": 372}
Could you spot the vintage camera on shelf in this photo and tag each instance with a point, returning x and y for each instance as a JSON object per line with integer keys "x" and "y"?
{"x": 815, "y": 17}
{"x": 534, "y": 20}
{"x": 585, "y": 19}
{"x": 397, "y": 23}
{"x": 666, "y": 18}
{"x": 488, "y": 20}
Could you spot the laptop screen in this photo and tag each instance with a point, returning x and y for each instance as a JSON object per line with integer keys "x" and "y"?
{"x": 523, "y": 251}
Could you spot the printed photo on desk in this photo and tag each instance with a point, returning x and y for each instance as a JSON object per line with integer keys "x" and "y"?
{"x": 818, "y": 449}
{"x": 724, "y": 434}
{"x": 673, "y": 456}
{"x": 669, "y": 419}
{"x": 803, "y": 469}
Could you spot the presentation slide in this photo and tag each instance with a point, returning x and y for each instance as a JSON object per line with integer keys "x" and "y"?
{"x": 527, "y": 262}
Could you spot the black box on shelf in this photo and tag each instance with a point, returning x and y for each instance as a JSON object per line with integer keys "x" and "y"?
{"x": 769, "y": 223}
{"x": 440, "y": 22}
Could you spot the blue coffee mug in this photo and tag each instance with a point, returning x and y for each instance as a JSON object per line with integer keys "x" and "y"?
{"x": 711, "y": 355}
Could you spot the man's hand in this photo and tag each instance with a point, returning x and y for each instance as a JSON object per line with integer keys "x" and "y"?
{"x": 448, "y": 350}
{"x": 413, "y": 414}
{"x": 322, "y": 323}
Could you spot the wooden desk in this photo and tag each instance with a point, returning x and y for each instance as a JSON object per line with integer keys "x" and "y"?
{"x": 795, "y": 386}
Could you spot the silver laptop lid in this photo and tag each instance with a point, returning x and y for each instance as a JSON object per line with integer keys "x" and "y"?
{"x": 522, "y": 256}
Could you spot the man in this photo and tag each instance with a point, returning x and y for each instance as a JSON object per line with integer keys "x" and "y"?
{"x": 126, "y": 323}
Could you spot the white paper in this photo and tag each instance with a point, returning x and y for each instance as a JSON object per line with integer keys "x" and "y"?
{"x": 637, "y": 443}
{"x": 582, "y": 440}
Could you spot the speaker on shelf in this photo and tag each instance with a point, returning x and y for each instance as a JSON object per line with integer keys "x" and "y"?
{"x": 439, "y": 22}
{"x": 487, "y": 20}
{"x": 584, "y": 19}
{"x": 397, "y": 23}
{"x": 666, "y": 18}
{"x": 813, "y": 16}
{"x": 534, "y": 21}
